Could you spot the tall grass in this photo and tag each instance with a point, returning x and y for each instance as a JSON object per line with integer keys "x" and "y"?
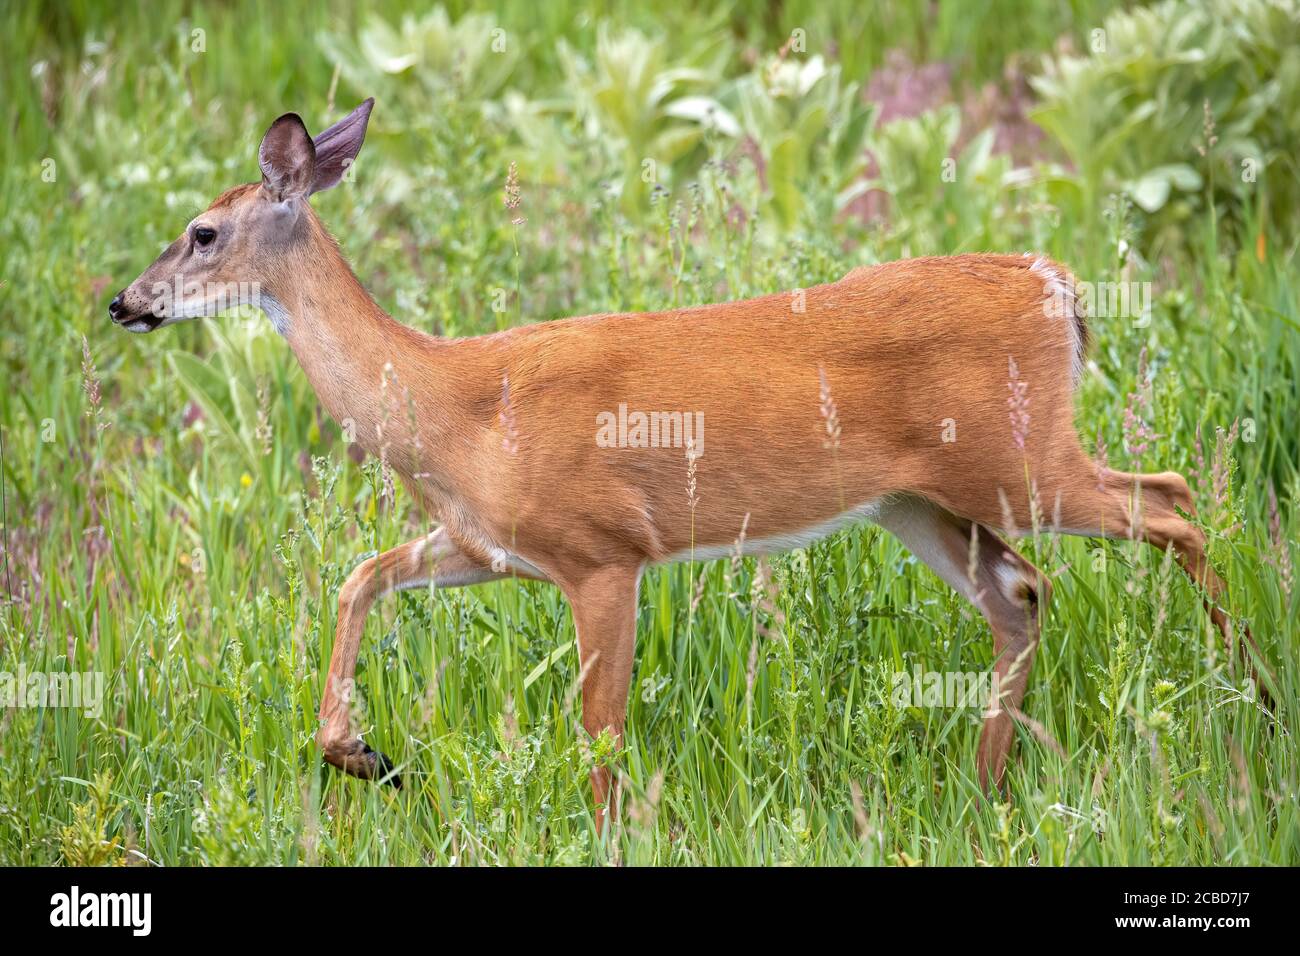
{"x": 186, "y": 533}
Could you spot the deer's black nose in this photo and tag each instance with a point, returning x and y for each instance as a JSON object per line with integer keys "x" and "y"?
{"x": 116, "y": 309}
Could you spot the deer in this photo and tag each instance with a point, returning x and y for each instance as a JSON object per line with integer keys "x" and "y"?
{"x": 502, "y": 449}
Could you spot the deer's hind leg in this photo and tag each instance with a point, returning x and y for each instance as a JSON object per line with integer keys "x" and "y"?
{"x": 1008, "y": 590}
{"x": 1118, "y": 504}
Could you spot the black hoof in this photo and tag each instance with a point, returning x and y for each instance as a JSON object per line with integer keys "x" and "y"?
{"x": 381, "y": 768}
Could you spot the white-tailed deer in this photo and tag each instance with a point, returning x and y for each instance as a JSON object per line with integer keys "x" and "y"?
{"x": 823, "y": 407}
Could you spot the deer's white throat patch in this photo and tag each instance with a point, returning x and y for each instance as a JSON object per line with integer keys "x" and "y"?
{"x": 277, "y": 313}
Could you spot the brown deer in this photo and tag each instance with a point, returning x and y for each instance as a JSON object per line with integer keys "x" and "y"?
{"x": 823, "y": 407}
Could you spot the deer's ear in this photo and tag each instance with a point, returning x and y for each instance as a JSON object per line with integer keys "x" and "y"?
{"x": 338, "y": 146}
{"x": 287, "y": 158}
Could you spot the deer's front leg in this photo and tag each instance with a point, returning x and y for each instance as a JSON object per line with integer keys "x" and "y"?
{"x": 604, "y": 616}
{"x": 434, "y": 559}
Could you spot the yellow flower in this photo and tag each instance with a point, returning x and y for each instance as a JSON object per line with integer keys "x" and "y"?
{"x": 246, "y": 480}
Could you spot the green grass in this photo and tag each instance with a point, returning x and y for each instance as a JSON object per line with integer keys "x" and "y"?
{"x": 196, "y": 563}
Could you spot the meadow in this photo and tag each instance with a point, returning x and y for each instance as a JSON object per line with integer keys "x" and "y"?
{"x": 179, "y": 513}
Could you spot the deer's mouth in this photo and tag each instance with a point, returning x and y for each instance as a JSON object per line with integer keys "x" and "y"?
{"x": 138, "y": 321}
{"x": 142, "y": 323}
{"x": 121, "y": 314}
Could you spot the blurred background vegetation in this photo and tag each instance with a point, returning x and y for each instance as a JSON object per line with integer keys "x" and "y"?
{"x": 179, "y": 513}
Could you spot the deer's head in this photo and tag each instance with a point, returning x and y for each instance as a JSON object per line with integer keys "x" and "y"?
{"x": 249, "y": 237}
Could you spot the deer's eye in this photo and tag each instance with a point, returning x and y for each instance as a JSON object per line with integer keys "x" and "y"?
{"x": 203, "y": 236}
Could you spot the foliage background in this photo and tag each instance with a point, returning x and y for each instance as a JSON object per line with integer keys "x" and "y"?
{"x": 179, "y": 515}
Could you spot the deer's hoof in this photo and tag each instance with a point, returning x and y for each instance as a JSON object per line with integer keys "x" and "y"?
{"x": 381, "y": 768}
{"x": 359, "y": 759}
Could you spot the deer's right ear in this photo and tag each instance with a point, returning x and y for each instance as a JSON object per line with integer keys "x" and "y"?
{"x": 287, "y": 158}
{"x": 337, "y": 147}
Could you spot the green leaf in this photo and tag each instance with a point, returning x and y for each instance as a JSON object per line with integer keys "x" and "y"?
{"x": 204, "y": 385}
{"x": 781, "y": 172}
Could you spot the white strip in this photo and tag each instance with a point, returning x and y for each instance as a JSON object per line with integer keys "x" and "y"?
{"x": 787, "y": 541}
{"x": 1062, "y": 289}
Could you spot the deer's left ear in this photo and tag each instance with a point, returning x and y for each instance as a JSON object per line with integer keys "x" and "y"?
{"x": 338, "y": 146}
{"x": 287, "y": 158}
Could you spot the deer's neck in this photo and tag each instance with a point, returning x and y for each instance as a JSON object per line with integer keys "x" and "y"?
{"x": 377, "y": 378}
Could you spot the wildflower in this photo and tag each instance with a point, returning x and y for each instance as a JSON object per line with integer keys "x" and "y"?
{"x": 1281, "y": 556}
{"x": 692, "y": 456}
{"x": 1103, "y": 463}
{"x": 510, "y": 433}
{"x": 1017, "y": 404}
{"x": 90, "y": 384}
{"x": 263, "y": 430}
{"x": 1221, "y": 467}
{"x": 766, "y": 595}
{"x": 89, "y": 380}
{"x": 1198, "y": 469}
{"x": 751, "y": 671}
{"x": 513, "y": 197}
{"x": 737, "y": 555}
{"x": 1137, "y": 433}
{"x": 700, "y": 584}
{"x": 830, "y": 414}
{"x": 1207, "y": 131}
